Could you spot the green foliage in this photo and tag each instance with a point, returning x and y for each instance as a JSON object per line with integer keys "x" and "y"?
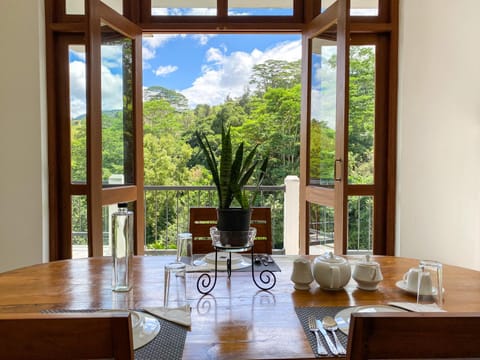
{"x": 270, "y": 116}
{"x": 231, "y": 173}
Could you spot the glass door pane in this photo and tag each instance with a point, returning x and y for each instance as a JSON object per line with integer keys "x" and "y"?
{"x": 323, "y": 112}
{"x": 361, "y": 122}
{"x": 117, "y": 117}
{"x": 184, "y": 7}
{"x": 321, "y": 229}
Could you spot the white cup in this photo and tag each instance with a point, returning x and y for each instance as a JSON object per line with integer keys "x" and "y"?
{"x": 411, "y": 279}
{"x": 175, "y": 287}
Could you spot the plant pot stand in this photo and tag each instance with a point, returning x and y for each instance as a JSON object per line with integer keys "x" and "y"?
{"x": 205, "y": 283}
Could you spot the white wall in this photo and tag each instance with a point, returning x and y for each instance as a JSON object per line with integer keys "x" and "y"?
{"x": 438, "y": 193}
{"x": 23, "y": 156}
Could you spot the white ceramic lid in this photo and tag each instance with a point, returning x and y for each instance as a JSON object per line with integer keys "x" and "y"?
{"x": 367, "y": 261}
{"x": 330, "y": 258}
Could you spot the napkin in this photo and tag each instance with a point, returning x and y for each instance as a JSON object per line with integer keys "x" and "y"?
{"x": 179, "y": 316}
{"x": 417, "y": 307}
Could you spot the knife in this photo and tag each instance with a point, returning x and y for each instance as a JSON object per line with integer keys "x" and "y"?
{"x": 330, "y": 344}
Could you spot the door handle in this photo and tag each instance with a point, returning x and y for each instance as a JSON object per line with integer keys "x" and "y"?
{"x": 335, "y": 172}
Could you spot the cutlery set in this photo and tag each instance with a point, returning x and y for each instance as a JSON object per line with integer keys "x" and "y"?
{"x": 323, "y": 327}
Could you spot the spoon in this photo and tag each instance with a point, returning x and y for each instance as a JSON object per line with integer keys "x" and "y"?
{"x": 330, "y": 324}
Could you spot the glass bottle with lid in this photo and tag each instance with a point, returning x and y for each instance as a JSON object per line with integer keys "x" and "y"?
{"x": 122, "y": 248}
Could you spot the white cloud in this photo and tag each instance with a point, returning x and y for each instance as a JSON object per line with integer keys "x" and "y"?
{"x": 229, "y": 74}
{"x": 203, "y": 38}
{"x": 165, "y": 70}
{"x": 112, "y": 89}
{"x": 78, "y": 104}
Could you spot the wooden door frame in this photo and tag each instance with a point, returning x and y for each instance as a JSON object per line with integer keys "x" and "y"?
{"x": 337, "y": 14}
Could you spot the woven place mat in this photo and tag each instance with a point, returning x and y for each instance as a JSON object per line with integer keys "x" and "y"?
{"x": 319, "y": 313}
{"x": 257, "y": 266}
{"x": 167, "y": 345}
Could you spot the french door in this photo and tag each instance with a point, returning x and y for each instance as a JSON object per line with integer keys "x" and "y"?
{"x": 348, "y": 133}
{"x": 325, "y": 59}
{"x": 113, "y": 53}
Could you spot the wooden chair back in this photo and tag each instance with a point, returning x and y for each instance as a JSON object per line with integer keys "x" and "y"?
{"x": 203, "y": 218}
{"x": 66, "y": 336}
{"x": 414, "y": 336}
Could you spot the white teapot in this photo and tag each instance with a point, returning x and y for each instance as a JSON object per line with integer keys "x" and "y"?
{"x": 367, "y": 274}
{"x": 331, "y": 272}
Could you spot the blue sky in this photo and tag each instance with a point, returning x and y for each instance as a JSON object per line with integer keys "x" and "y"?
{"x": 204, "y": 68}
{"x": 208, "y": 68}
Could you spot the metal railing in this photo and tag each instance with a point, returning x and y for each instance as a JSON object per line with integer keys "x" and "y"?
{"x": 167, "y": 210}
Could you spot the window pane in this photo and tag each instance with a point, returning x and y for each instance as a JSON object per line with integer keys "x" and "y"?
{"x": 357, "y": 7}
{"x": 361, "y": 122}
{"x": 78, "y": 109}
{"x": 260, "y": 8}
{"x": 184, "y": 7}
{"x": 364, "y": 8}
{"x": 323, "y": 112}
{"x": 79, "y": 227}
{"x": 77, "y": 7}
{"x": 117, "y": 116}
{"x": 360, "y": 223}
{"x": 320, "y": 228}
{"x": 107, "y": 212}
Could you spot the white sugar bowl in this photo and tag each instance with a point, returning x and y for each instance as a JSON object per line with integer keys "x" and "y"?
{"x": 367, "y": 274}
{"x": 331, "y": 272}
{"x": 302, "y": 274}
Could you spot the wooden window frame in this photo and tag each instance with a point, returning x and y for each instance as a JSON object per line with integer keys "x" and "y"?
{"x": 61, "y": 28}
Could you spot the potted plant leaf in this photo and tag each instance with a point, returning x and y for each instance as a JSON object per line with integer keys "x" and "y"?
{"x": 231, "y": 171}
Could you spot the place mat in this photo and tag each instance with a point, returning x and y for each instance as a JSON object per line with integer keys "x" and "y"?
{"x": 319, "y": 313}
{"x": 167, "y": 345}
{"x": 257, "y": 267}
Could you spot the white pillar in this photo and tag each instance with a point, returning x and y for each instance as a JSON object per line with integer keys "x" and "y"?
{"x": 291, "y": 215}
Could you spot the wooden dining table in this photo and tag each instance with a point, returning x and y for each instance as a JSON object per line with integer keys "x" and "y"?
{"x": 236, "y": 320}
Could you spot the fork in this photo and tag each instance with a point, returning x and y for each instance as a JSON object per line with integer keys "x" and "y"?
{"x": 313, "y": 328}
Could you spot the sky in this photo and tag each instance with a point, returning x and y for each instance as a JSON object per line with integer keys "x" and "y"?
{"x": 206, "y": 69}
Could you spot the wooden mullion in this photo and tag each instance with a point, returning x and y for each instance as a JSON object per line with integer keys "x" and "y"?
{"x": 305, "y": 143}
{"x": 94, "y": 131}
{"x": 139, "y": 214}
{"x": 222, "y": 9}
{"x": 53, "y": 138}
{"x": 392, "y": 128}
{"x": 341, "y": 148}
{"x": 322, "y": 22}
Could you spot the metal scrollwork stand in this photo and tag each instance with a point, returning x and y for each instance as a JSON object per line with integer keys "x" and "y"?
{"x": 266, "y": 278}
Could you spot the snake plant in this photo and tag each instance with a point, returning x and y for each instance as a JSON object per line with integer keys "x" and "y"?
{"x": 232, "y": 170}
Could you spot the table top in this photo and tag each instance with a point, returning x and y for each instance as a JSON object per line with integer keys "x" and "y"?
{"x": 236, "y": 320}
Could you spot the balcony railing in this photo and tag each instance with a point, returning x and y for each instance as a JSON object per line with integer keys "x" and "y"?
{"x": 167, "y": 211}
{"x": 167, "y": 214}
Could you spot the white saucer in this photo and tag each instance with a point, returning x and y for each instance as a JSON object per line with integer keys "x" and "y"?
{"x": 343, "y": 317}
{"x": 402, "y": 284}
{"x": 145, "y": 327}
{"x": 238, "y": 261}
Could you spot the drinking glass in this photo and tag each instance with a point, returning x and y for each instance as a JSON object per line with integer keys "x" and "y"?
{"x": 175, "y": 288}
{"x": 430, "y": 283}
{"x": 184, "y": 248}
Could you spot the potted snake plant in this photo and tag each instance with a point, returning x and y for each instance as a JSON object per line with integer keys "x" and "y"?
{"x": 231, "y": 171}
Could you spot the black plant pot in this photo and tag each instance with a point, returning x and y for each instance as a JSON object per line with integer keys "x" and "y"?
{"x": 233, "y": 225}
